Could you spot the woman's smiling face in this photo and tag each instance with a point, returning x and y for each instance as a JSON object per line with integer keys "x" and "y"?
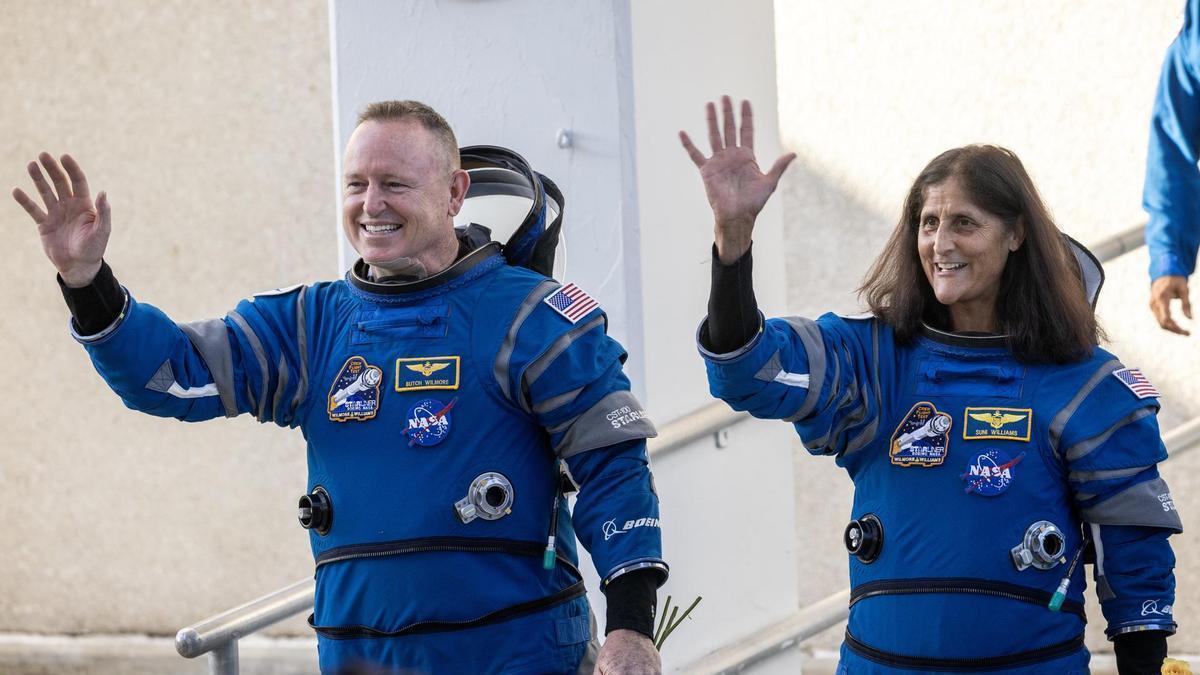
{"x": 963, "y": 250}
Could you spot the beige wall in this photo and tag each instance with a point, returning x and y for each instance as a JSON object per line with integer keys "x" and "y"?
{"x": 209, "y": 126}
{"x": 871, "y": 91}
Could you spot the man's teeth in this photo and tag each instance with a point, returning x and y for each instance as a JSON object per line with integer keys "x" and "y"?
{"x": 950, "y": 267}
{"x": 379, "y": 229}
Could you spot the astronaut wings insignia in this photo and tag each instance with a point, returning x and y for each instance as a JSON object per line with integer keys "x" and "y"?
{"x": 997, "y": 419}
{"x": 428, "y": 368}
{"x": 1012, "y": 424}
{"x": 427, "y": 372}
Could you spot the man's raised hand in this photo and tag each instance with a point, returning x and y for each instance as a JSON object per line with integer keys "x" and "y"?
{"x": 74, "y": 231}
{"x": 737, "y": 188}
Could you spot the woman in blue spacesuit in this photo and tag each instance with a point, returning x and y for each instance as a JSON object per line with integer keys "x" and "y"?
{"x": 993, "y": 444}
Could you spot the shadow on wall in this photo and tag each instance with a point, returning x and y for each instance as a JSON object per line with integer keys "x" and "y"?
{"x": 831, "y": 237}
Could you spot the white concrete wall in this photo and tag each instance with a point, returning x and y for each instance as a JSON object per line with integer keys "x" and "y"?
{"x": 729, "y": 528}
{"x": 209, "y": 128}
{"x": 871, "y": 91}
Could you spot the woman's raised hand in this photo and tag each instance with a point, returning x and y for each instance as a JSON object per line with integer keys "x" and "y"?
{"x": 737, "y": 188}
{"x": 74, "y": 231}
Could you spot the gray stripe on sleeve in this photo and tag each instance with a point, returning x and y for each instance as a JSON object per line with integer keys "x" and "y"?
{"x": 500, "y": 368}
{"x": 260, "y": 355}
{"x": 1084, "y": 447}
{"x": 539, "y": 365}
{"x": 1088, "y": 476}
{"x": 211, "y": 340}
{"x": 1147, "y": 504}
{"x": 302, "y": 347}
{"x": 1060, "y": 420}
{"x": 834, "y": 387}
{"x": 615, "y": 418}
{"x": 814, "y": 348}
{"x": 277, "y": 413}
{"x": 555, "y": 402}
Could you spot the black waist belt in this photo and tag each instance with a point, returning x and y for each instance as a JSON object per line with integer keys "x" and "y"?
{"x": 456, "y": 544}
{"x": 1025, "y": 658}
{"x": 967, "y": 585}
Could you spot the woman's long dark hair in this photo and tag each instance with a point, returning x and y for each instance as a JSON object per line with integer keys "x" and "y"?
{"x": 1041, "y": 306}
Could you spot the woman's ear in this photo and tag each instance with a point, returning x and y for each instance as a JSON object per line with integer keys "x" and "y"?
{"x": 1017, "y": 235}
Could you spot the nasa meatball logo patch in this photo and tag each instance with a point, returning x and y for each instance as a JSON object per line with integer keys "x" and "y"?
{"x": 428, "y": 422}
{"x": 991, "y": 472}
{"x": 354, "y": 394}
{"x": 923, "y": 437}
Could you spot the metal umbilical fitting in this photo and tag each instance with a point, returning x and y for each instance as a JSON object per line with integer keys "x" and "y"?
{"x": 1042, "y": 547}
{"x": 490, "y": 497}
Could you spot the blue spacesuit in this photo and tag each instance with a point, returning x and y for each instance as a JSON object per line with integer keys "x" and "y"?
{"x": 438, "y": 414}
{"x": 1172, "y": 190}
{"x": 978, "y": 479}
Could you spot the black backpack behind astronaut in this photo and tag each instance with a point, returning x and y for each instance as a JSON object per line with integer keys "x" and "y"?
{"x": 500, "y": 171}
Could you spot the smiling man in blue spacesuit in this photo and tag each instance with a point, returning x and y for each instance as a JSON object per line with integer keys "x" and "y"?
{"x": 449, "y": 400}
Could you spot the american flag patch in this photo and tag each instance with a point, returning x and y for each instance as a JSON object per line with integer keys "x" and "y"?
{"x": 572, "y": 302}
{"x": 1137, "y": 383}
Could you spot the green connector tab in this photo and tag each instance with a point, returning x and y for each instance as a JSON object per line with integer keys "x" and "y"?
{"x": 1056, "y": 602}
{"x": 548, "y": 560}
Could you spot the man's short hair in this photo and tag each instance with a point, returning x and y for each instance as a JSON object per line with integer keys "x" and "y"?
{"x": 420, "y": 113}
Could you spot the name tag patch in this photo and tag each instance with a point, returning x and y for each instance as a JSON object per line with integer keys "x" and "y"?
{"x": 427, "y": 372}
{"x": 1010, "y": 424}
{"x": 354, "y": 394}
{"x": 922, "y": 438}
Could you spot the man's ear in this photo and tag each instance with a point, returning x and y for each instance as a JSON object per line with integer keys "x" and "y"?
{"x": 459, "y": 182}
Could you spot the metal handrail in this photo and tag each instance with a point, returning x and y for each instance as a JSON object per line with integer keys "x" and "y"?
{"x": 217, "y": 636}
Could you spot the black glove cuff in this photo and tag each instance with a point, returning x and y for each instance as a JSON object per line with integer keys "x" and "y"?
{"x": 1140, "y": 652}
{"x": 732, "y": 307}
{"x": 96, "y": 306}
{"x": 632, "y": 600}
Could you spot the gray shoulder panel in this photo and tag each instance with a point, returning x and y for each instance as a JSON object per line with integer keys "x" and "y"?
{"x": 615, "y": 418}
{"x": 211, "y": 340}
{"x": 1147, "y": 504}
{"x": 504, "y": 354}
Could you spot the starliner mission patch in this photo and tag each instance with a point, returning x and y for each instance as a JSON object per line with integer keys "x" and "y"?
{"x": 922, "y": 438}
{"x": 354, "y": 394}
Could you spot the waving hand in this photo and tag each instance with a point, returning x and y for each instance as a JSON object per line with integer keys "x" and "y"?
{"x": 737, "y": 188}
{"x": 74, "y": 231}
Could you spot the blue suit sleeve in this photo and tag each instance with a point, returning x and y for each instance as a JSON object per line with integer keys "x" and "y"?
{"x": 569, "y": 377}
{"x": 1172, "y": 191}
{"x": 820, "y": 375}
{"x": 251, "y": 361}
{"x": 1111, "y": 446}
